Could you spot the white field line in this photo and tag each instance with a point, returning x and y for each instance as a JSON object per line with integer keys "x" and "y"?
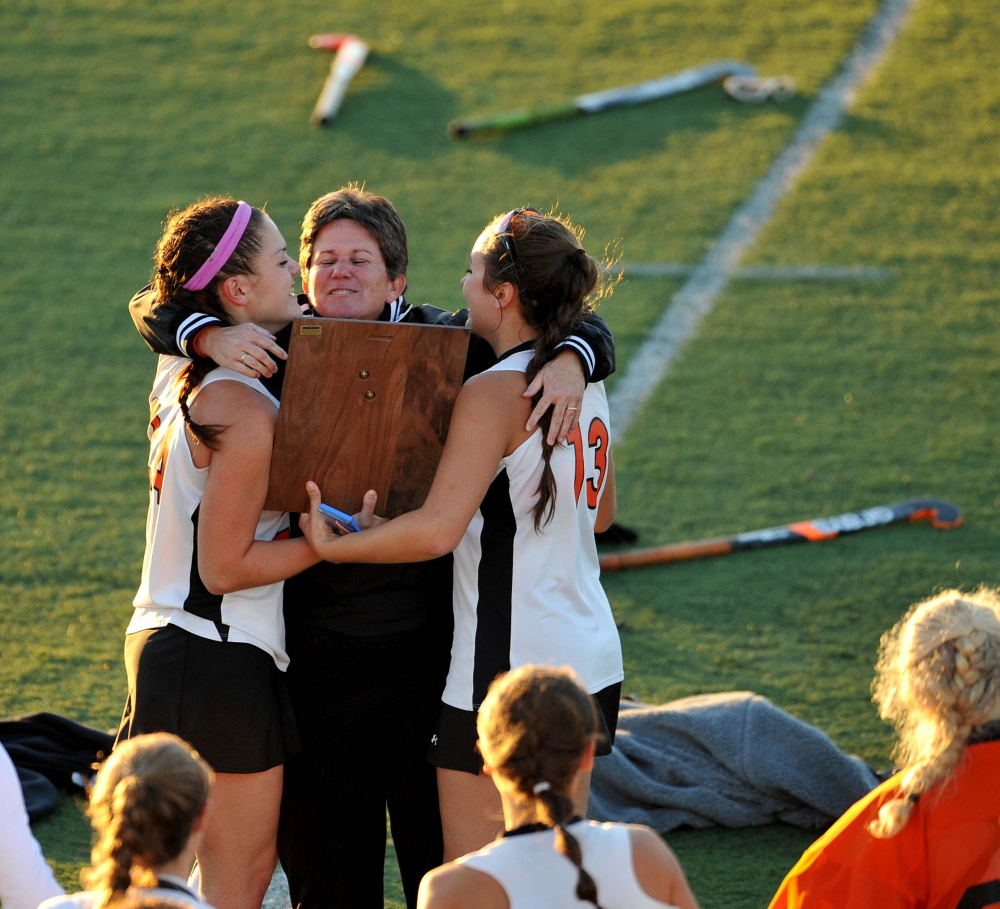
{"x": 696, "y": 298}
{"x": 758, "y": 272}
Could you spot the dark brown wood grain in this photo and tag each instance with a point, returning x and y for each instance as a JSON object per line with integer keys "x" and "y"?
{"x": 365, "y": 405}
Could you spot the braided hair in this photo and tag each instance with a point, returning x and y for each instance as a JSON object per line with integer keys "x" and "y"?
{"x": 938, "y": 681}
{"x": 143, "y": 806}
{"x": 534, "y": 726}
{"x": 189, "y": 238}
{"x": 558, "y": 284}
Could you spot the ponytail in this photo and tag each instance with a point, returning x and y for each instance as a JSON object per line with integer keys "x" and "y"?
{"x": 555, "y": 811}
{"x": 545, "y": 350}
{"x": 116, "y": 853}
{"x": 190, "y": 379}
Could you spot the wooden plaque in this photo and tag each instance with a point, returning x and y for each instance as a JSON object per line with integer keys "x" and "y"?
{"x": 365, "y": 405}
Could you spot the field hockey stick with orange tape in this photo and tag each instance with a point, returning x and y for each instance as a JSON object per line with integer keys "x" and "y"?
{"x": 941, "y": 514}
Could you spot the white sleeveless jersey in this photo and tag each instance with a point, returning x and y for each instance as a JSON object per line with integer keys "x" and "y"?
{"x": 535, "y": 875}
{"x": 522, "y": 596}
{"x": 171, "y": 591}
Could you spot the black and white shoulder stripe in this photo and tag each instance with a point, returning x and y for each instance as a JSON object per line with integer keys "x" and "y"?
{"x": 585, "y": 352}
{"x": 191, "y": 326}
{"x": 398, "y": 309}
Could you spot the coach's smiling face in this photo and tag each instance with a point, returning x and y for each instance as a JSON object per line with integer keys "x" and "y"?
{"x": 347, "y": 278}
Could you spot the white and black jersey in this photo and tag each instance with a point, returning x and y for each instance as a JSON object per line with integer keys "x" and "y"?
{"x": 526, "y": 596}
{"x": 171, "y": 591}
{"x": 533, "y": 872}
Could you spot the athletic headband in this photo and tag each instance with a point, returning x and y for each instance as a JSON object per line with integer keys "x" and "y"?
{"x": 223, "y": 249}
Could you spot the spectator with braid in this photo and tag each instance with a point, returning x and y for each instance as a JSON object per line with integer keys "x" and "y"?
{"x": 519, "y": 512}
{"x": 537, "y": 733}
{"x": 148, "y": 809}
{"x": 929, "y": 837}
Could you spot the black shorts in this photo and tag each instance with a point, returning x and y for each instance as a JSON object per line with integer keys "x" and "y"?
{"x": 228, "y": 700}
{"x": 453, "y": 746}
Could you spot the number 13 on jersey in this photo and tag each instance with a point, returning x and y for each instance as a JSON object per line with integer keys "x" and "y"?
{"x": 591, "y": 459}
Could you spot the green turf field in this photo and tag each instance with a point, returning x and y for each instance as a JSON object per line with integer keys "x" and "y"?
{"x": 795, "y": 400}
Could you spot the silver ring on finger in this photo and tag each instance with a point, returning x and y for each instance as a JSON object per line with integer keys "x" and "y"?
{"x": 243, "y": 359}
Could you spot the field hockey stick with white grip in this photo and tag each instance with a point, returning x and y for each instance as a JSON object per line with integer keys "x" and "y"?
{"x": 940, "y": 513}
{"x": 672, "y": 84}
{"x": 350, "y": 56}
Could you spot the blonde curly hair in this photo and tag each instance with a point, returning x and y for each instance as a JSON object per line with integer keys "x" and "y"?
{"x": 937, "y": 680}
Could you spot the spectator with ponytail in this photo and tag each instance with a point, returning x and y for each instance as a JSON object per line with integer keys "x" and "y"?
{"x": 930, "y": 835}
{"x": 148, "y": 810}
{"x": 537, "y": 734}
{"x": 205, "y": 650}
{"x": 518, "y": 511}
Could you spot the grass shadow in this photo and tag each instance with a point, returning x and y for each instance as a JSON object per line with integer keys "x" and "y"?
{"x": 592, "y": 142}
{"x": 398, "y": 109}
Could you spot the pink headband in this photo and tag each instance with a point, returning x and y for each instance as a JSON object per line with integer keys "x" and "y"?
{"x": 223, "y": 249}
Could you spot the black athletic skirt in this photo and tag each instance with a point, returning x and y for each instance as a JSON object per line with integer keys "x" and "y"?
{"x": 453, "y": 746}
{"x": 228, "y": 700}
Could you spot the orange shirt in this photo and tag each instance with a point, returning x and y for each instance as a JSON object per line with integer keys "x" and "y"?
{"x": 946, "y": 856}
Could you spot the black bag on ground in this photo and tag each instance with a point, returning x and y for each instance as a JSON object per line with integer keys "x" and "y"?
{"x": 47, "y": 749}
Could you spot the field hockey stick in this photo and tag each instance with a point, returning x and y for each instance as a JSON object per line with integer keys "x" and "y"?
{"x": 349, "y": 57}
{"x": 672, "y": 84}
{"x": 941, "y": 514}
